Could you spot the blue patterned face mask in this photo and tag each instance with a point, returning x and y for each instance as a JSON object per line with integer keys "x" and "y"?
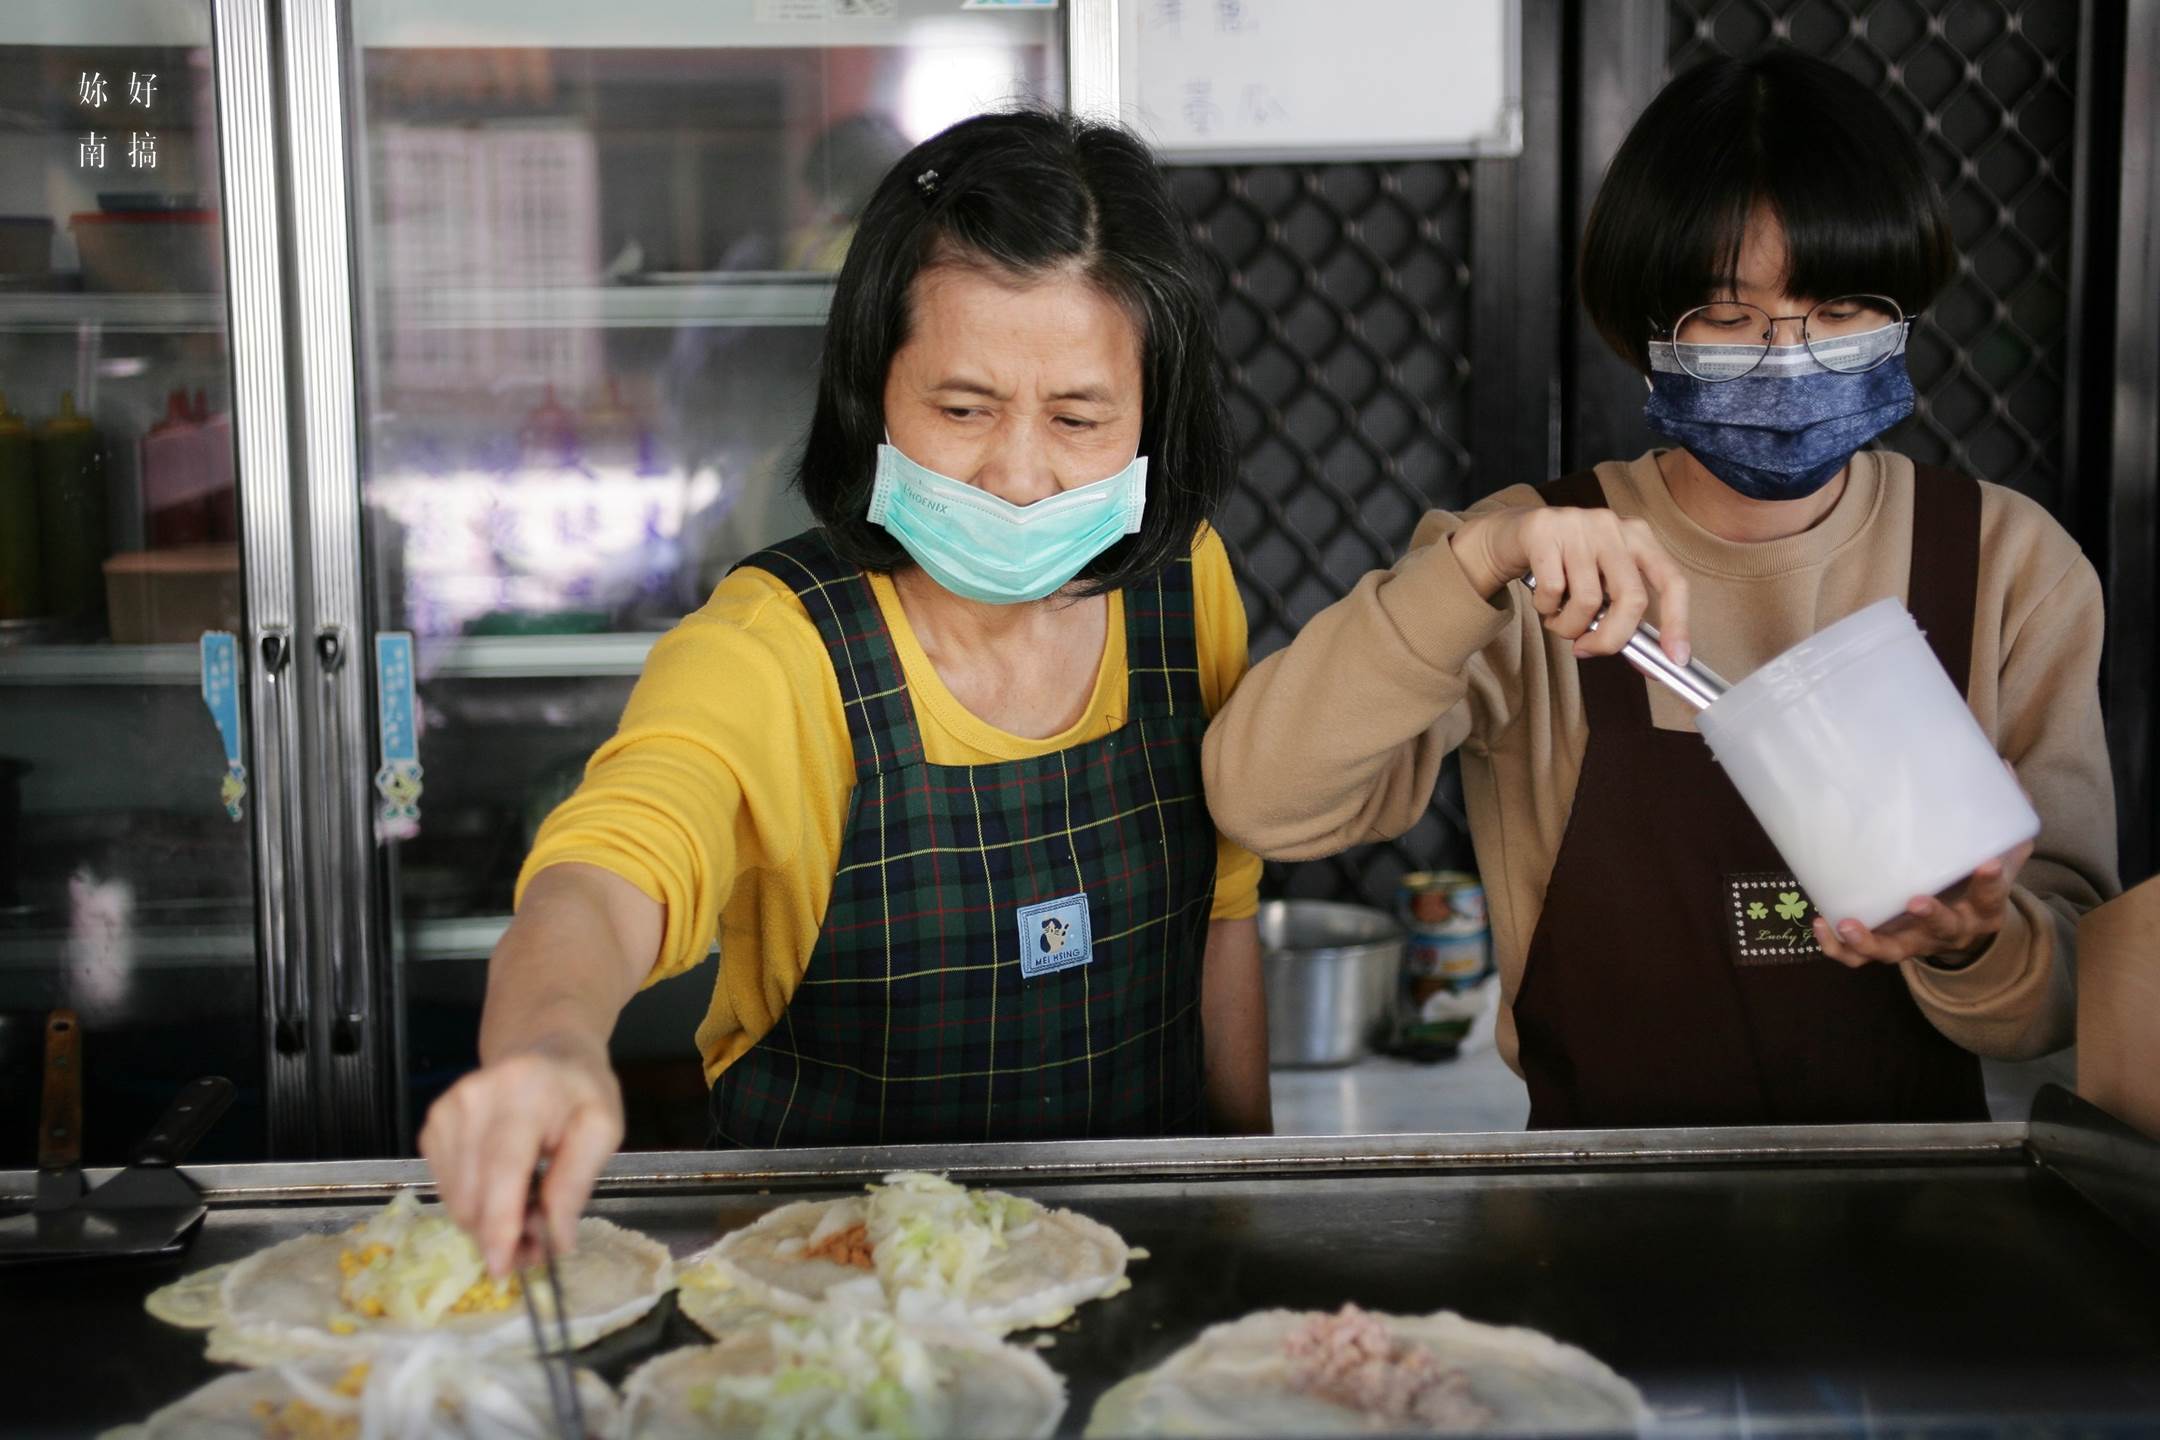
{"x": 1784, "y": 428}
{"x": 977, "y": 545}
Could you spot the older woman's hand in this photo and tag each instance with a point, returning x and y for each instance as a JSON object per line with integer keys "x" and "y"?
{"x": 1585, "y": 562}
{"x": 1958, "y": 925}
{"x": 557, "y": 1098}
{"x": 581, "y": 943}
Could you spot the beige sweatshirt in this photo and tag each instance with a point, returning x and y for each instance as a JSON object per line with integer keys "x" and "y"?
{"x": 1338, "y": 739}
{"x": 2118, "y": 1055}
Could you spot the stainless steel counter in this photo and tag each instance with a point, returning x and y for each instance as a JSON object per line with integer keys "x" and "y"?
{"x": 1476, "y": 1091}
{"x": 1384, "y": 1095}
{"x": 1850, "y": 1280}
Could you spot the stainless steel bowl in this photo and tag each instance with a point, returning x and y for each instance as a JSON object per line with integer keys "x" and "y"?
{"x": 1331, "y": 972}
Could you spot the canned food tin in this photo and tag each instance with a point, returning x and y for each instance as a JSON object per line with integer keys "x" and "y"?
{"x": 1436, "y": 963}
{"x": 1442, "y": 902}
{"x": 1444, "y": 978}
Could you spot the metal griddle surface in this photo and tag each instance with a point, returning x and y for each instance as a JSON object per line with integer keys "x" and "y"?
{"x": 1851, "y": 1297}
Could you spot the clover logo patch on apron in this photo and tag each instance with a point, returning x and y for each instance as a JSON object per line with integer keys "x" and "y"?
{"x": 1769, "y": 919}
{"x": 1054, "y": 936}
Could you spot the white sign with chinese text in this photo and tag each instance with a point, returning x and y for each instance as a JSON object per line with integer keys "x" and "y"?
{"x": 1249, "y": 80}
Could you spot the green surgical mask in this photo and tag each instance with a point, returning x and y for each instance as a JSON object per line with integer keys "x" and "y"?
{"x": 984, "y": 548}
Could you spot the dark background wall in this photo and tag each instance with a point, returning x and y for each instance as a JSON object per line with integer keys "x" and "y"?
{"x": 1346, "y": 321}
{"x": 1402, "y": 336}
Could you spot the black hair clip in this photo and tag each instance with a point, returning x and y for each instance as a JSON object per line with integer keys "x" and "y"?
{"x": 927, "y": 183}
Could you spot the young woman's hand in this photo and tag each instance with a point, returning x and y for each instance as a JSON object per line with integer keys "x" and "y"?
{"x": 1585, "y": 562}
{"x": 1959, "y": 923}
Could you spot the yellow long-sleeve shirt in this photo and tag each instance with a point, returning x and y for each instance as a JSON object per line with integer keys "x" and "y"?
{"x": 723, "y": 793}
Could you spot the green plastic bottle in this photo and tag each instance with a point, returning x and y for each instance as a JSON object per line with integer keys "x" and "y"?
{"x": 73, "y": 517}
{"x": 22, "y": 582}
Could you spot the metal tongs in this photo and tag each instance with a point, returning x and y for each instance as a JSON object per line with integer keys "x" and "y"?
{"x": 1693, "y": 682}
{"x": 557, "y": 1365}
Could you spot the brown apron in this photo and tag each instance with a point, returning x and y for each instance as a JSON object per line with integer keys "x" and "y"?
{"x": 1674, "y": 978}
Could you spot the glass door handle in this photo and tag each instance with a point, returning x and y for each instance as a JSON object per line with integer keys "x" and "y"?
{"x": 346, "y": 870}
{"x": 287, "y": 962}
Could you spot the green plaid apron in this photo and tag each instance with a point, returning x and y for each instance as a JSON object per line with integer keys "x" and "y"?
{"x": 944, "y": 1000}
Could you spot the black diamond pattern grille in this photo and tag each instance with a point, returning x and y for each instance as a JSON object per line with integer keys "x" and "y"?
{"x": 1345, "y": 331}
{"x": 1988, "y": 88}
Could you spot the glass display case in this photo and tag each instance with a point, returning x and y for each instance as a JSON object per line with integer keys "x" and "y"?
{"x": 430, "y": 359}
{"x": 129, "y": 872}
{"x": 593, "y": 265}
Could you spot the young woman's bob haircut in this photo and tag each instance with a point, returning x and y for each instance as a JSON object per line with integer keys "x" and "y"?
{"x": 1027, "y": 195}
{"x": 1783, "y": 130}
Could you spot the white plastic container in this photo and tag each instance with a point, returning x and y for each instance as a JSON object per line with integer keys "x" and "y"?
{"x": 1857, "y": 754}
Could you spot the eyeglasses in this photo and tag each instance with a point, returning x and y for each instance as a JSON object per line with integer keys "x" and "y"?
{"x": 1851, "y": 334}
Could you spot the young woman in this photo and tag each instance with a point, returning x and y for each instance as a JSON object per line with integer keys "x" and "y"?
{"x": 931, "y": 772}
{"x": 1759, "y": 247}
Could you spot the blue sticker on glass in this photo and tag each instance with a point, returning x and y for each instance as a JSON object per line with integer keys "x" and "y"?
{"x": 1054, "y": 936}
{"x": 398, "y": 780}
{"x": 221, "y": 693}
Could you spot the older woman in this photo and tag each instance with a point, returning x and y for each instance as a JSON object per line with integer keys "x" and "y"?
{"x": 1761, "y": 240}
{"x": 931, "y": 771}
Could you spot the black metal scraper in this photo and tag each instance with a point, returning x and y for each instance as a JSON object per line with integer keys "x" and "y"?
{"x": 147, "y": 1210}
{"x": 151, "y": 1191}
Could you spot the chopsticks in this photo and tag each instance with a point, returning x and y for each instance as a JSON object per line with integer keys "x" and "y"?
{"x": 557, "y": 1366}
{"x": 1693, "y": 682}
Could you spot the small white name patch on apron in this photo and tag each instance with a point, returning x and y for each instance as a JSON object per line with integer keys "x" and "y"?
{"x": 1054, "y": 936}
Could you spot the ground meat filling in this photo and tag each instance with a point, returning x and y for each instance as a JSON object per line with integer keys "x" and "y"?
{"x": 844, "y": 1247}
{"x": 1352, "y": 1359}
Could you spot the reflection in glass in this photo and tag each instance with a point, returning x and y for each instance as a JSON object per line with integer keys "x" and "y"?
{"x": 594, "y": 276}
{"x": 596, "y": 279}
{"x": 125, "y": 883}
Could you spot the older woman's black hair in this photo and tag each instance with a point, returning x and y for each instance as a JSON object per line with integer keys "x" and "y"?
{"x": 1783, "y": 130}
{"x": 1026, "y": 195}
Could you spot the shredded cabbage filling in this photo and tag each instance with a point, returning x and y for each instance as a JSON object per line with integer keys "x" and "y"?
{"x": 931, "y": 1240}
{"x": 836, "y": 1377}
{"x": 416, "y": 1269}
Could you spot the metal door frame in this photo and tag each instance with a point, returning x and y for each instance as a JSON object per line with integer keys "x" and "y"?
{"x": 2133, "y": 599}
{"x": 355, "y": 1025}
{"x": 1519, "y": 267}
{"x": 249, "y": 129}
{"x": 355, "y": 1022}
{"x": 1615, "y": 66}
